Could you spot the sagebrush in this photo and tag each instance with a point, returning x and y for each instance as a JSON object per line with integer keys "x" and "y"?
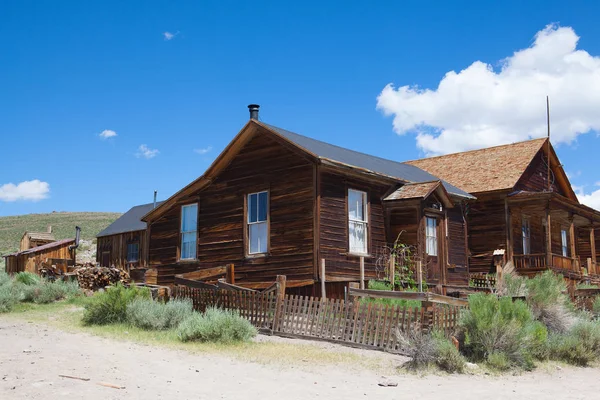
{"x": 152, "y": 315}
{"x": 110, "y": 306}
{"x": 216, "y": 325}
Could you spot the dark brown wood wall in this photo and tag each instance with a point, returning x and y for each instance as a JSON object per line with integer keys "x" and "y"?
{"x": 534, "y": 178}
{"x": 458, "y": 267}
{"x": 263, "y": 164}
{"x": 32, "y": 261}
{"x": 538, "y": 231}
{"x": 486, "y": 219}
{"x": 116, "y": 245}
{"x": 333, "y": 235}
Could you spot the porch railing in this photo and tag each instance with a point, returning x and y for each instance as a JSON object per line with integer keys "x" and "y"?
{"x": 525, "y": 261}
{"x": 567, "y": 263}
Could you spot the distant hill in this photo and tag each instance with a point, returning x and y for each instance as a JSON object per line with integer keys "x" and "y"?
{"x": 63, "y": 227}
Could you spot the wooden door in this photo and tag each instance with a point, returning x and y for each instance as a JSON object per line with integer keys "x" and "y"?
{"x": 105, "y": 260}
{"x": 433, "y": 249}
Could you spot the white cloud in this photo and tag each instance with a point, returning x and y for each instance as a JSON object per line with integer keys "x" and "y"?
{"x": 591, "y": 199}
{"x": 479, "y": 107}
{"x": 146, "y": 152}
{"x": 169, "y": 35}
{"x": 107, "y": 133}
{"x": 203, "y": 150}
{"x": 34, "y": 190}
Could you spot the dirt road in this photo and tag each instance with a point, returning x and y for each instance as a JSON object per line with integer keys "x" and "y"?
{"x": 33, "y": 356}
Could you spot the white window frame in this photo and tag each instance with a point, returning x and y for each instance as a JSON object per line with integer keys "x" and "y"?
{"x": 431, "y": 236}
{"x": 364, "y": 222}
{"x": 182, "y": 233}
{"x": 564, "y": 243}
{"x": 258, "y": 222}
{"x": 137, "y": 252}
{"x": 526, "y": 235}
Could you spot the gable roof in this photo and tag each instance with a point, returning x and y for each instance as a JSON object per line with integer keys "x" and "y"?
{"x": 400, "y": 171}
{"x": 420, "y": 191}
{"x": 40, "y": 236}
{"x": 484, "y": 170}
{"x": 46, "y": 246}
{"x": 130, "y": 221}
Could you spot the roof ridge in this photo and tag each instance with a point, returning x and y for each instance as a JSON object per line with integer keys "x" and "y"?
{"x": 475, "y": 150}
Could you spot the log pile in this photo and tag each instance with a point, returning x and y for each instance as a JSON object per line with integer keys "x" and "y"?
{"x": 94, "y": 278}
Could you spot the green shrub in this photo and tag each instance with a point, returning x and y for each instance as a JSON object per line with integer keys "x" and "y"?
{"x": 596, "y": 305}
{"x": 447, "y": 356}
{"x": 216, "y": 325}
{"x": 151, "y": 315}
{"x": 110, "y": 306}
{"x": 4, "y": 278}
{"x": 493, "y": 325}
{"x": 499, "y": 361}
{"x": 9, "y": 297}
{"x": 580, "y": 346}
{"x": 381, "y": 285}
{"x": 548, "y": 302}
{"x": 47, "y": 292}
{"x": 27, "y": 278}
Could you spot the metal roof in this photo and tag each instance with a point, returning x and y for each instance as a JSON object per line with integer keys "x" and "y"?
{"x": 130, "y": 221}
{"x": 401, "y": 171}
{"x": 46, "y": 246}
{"x": 40, "y": 236}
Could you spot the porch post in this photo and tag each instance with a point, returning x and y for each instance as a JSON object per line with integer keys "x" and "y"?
{"x": 593, "y": 244}
{"x": 572, "y": 236}
{"x": 509, "y": 231}
{"x": 548, "y": 238}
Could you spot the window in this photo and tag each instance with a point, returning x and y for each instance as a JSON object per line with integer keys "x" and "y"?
{"x": 189, "y": 227}
{"x": 526, "y": 233}
{"x": 133, "y": 252}
{"x": 431, "y": 242}
{"x": 258, "y": 206}
{"x": 357, "y": 221}
{"x": 564, "y": 243}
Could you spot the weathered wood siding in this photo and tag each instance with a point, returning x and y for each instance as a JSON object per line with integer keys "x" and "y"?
{"x": 263, "y": 164}
{"x": 535, "y": 178}
{"x": 458, "y": 269}
{"x": 333, "y": 234}
{"x": 537, "y": 230}
{"x": 116, "y": 245}
{"x": 33, "y": 261}
{"x": 487, "y": 230}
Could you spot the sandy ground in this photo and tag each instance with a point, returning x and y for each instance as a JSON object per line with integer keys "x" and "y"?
{"x": 32, "y": 356}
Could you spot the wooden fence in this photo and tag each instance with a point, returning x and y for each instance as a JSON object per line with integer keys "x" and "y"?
{"x": 354, "y": 323}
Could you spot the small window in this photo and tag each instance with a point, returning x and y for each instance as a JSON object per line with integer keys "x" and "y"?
{"x": 431, "y": 237}
{"x": 357, "y": 221}
{"x": 526, "y": 233}
{"x": 189, "y": 231}
{"x": 258, "y": 206}
{"x": 564, "y": 243}
{"x": 133, "y": 252}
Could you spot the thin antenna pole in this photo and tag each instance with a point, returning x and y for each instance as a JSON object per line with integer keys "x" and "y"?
{"x": 548, "y": 123}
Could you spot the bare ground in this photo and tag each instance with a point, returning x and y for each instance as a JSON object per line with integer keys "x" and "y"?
{"x": 32, "y": 356}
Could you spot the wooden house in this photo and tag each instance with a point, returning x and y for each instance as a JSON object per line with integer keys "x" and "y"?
{"x": 30, "y": 240}
{"x": 276, "y": 202}
{"x": 60, "y": 253}
{"x": 124, "y": 243}
{"x": 526, "y": 206}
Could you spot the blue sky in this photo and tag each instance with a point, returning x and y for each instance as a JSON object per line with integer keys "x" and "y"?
{"x": 72, "y": 70}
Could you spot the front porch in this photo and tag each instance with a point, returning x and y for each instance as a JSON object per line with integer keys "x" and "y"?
{"x": 547, "y": 231}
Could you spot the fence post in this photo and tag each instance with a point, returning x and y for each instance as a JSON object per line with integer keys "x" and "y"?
{"x": 281, "y": 281}
{"x": 420, "y": 276}
{"x": 230, "y": 274}
{"x": 392, "y": 271}
{"x": 428, "y": 316}
{"x": 323, "y": 291}
{"x": 362, "y": 272}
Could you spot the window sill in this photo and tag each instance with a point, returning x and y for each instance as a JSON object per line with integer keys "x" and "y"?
{"x": 258, "y": 255}
{"x": 357, "y": 255}
{"x": 188, "y": 261}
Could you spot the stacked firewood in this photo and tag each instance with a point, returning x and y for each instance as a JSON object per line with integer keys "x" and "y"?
{"x": 94, "y": 278}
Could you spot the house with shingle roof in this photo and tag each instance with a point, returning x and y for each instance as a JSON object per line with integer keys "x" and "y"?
{"x": 525, "y": 206}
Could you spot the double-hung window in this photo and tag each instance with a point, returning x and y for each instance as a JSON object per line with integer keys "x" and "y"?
{"x": 431, "y": 240}
{"x": 357, "y": 221}
{"x": 526, "y": 233}
{"x": 258, "y": 206}
{"x": 564, "y": 243}
{"x": 133, "y": 252}
{"x": 189, "y": 231}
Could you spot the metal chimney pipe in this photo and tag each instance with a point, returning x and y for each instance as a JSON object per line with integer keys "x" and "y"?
{"x": 154, "y": 204}
{"x": 253, "y": 111}
{"x": 77, "y": 235}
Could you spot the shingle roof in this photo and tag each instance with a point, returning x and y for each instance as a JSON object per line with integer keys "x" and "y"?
{"x": 130, "y": 221}
{"x": 413, "y": 191}
{"x": 490, "y": 169}
{"x": 40, "y": 236}
{"x": 394, "y": 169}
{"x": 47, "y": 246}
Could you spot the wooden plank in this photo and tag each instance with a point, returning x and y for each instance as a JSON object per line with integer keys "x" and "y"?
{"x": 425, "y": 296}
{"x": 362, "y": 272}
{"x": 203, "y": 274}
{"x": 193, "y": 284}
